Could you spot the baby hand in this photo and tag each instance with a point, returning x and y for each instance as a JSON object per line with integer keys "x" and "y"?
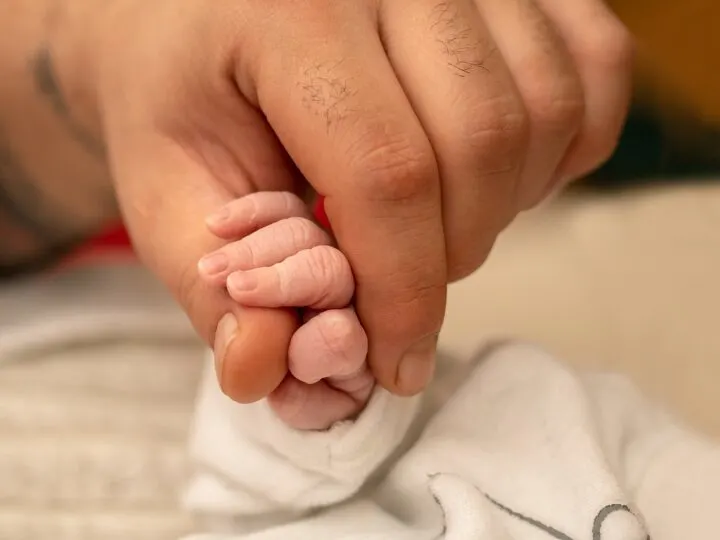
{"x": 277, "y": 256}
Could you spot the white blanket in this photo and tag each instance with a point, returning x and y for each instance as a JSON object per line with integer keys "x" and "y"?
{"x": 98, "y": 369}
{"x": 514, "y": 446}
{"x": 524, "y": 449}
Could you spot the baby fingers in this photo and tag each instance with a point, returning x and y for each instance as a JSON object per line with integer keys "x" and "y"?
{"x": 319, "y": 278}
{"x": 267, "y": 246}
{"x": 333, "y": 345}
{"x": 311, "y": 406}
{"x": 255, "y": 211}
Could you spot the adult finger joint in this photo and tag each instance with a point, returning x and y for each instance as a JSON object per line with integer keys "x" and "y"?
{"x": 555, "y": 108}
{"x": 609, "y": 46}
{"x": 394, "y": 169}
{"x": 498, "y": 136}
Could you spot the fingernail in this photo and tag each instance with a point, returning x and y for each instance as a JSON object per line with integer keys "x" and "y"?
{"x": 242, "y": 281}
{"x": 213, "y": 264}
{"x": 417, "y": 366}
{"x": 224, "y": 336}
{"x": 219, "y": 217}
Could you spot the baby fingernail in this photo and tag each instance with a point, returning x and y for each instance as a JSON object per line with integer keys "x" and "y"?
{"x": 219, "y": 217}
{"x": 224, "y": 336}
{"x": 213, "y": 264}
{"x": 242, "y": 281}
{"x": 417, "y": 366}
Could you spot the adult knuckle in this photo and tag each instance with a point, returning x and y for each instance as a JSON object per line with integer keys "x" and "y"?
{"x": 556, "y": 107}
{"x": 610, "y": 47}
{"x": 498, "y": 135}
{"x": 620, "y": 48}
{"x": 393, "y": 168}
{"x": 609, "y": 50}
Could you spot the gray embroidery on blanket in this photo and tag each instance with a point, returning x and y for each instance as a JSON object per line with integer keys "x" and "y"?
{"x": 551, "y": 531}
{"x": 600, "y": 518}
{"x": 442, "y": 509}
{"x": 604, "y": 513}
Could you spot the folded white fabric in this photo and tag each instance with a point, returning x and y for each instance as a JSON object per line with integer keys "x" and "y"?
{"x": 524, "y": 449}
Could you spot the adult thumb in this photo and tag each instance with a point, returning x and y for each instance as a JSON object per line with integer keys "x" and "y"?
{"x": 165, "y": 195}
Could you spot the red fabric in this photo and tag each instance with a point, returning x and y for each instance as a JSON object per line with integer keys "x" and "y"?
{"x": 320, "y": 215}
{"x": 114, "y": 239}
{"x": 114, "y": 236}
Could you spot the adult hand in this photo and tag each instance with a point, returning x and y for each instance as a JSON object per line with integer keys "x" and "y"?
{"x": 427, "y": 125}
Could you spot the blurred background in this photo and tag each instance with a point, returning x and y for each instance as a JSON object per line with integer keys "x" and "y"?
{"x": 673, "y": 132}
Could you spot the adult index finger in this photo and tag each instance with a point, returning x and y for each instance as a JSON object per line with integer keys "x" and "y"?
{"x": 342, "y": 115}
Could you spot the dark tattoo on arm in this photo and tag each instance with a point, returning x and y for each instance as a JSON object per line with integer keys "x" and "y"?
{"x": 32, "y": 233}
{"x": 48, "y": 85}
{"x": 39, "y": 223}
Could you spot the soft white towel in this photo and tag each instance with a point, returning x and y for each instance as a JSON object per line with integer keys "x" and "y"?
{"x": 524, "y": 449}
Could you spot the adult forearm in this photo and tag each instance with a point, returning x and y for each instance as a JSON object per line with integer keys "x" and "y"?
{"x": 54, "y": 185}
